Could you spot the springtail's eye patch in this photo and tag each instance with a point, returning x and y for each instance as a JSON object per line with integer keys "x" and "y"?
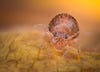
{"x": 55, "y": 34}
{"x": 66, "y": 36}
{"x": 60, "y": 35}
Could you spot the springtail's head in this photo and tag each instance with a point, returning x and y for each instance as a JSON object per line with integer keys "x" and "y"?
{"x": 63, "y": 27}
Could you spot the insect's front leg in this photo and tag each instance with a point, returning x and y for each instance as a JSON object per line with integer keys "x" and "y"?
{"x": 77, "y": 46}
{"x": 49, "y": 52}
{"x": 78, "y": 53}
{"x": 66, "y": 51}
{"x": 72, "y": 46}
{"x": 47, "y": 38}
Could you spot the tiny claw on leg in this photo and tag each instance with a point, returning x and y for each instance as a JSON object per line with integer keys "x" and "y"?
{"x": 78, "y": 57}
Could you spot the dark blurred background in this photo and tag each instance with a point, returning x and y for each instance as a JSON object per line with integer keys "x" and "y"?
{"x": 29, "y": 12}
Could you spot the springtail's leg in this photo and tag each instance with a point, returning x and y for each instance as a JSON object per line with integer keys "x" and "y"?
{"x": 78, "y": 54}
{"x": 66, "y": 51}
{"x": 78, "y": 49}
{"x": 49, "y": 50}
